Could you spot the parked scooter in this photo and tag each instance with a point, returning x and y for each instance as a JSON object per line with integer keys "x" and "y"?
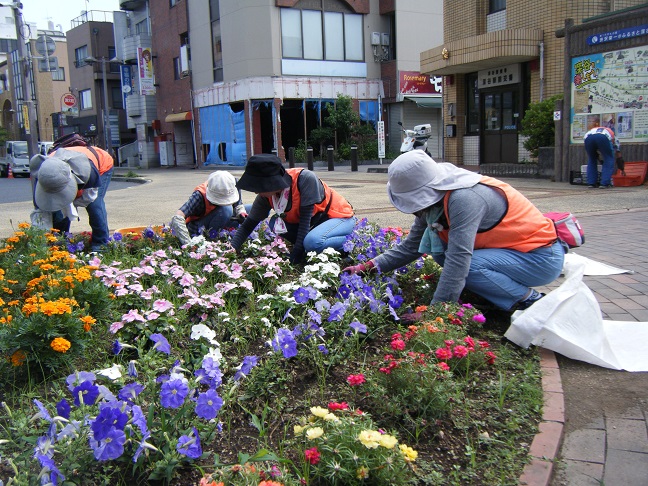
{"x": 416, "y": 138}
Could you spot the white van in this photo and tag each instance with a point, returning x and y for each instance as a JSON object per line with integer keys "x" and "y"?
{"x": 44, "y": 147}
{"x": 17, "y": 157}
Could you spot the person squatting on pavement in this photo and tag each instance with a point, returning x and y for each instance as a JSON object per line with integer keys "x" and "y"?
{"x": 485, "y": 234}
{"x": 309, "y": 214}
{"x": 211, "y": 206}
{"x": 73, "y": 175}
{"x": 600, "y": 140}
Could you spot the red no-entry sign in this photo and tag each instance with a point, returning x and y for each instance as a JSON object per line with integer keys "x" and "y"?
{"x": 69, "y": 100}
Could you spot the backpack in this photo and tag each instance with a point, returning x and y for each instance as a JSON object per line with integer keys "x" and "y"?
{"x": 568, "y": 228}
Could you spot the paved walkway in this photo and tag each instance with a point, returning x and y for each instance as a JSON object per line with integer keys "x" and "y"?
{"x": 602, "y": 414}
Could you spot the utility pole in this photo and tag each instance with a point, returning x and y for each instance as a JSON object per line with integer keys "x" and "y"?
{"x": 30, "y": 121}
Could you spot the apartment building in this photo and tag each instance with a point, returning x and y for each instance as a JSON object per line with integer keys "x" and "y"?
{"x": 262, "y": 71}
{"x": 497, "y": 56}
{"x": 95, "y": 82}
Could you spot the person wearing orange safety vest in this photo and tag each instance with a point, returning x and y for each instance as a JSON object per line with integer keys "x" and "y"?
{"x": 74, "y": 174}
{"x": 309, "y": 214}
{"x": 486, "y": 235}
{"x": 213, "y": 205}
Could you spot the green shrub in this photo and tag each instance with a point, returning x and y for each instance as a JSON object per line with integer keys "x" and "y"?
{"x": 538, "y": 125}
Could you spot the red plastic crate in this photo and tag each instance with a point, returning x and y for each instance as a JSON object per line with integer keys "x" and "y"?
{"x": 635, "y": 174}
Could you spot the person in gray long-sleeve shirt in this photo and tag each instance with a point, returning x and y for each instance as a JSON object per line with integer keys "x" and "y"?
{"x": 486, "y": 235}
{"x": 309, "y": 214}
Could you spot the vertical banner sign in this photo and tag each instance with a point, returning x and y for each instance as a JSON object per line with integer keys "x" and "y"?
{"x": 381, "y": 139}
{"x": 145, "y": 64}
{"x": 25, "y": 113}
{"x": 126, "y": 81}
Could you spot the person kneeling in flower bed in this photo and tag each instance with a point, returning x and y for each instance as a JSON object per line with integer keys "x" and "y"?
{"x": 486, "y": 235}
{"x": 309, "y": 214}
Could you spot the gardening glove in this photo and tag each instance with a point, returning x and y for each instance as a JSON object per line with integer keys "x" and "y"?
{"x": 179, "y": 227}
{"x": 361, "y": 268}
{"x": 240, "y": 217}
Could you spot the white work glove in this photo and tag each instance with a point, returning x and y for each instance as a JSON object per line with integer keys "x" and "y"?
{"x": 41, "y": 219}
{"x": 179, "y": 227}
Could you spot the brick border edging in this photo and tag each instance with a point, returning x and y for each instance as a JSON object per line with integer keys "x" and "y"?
{"x": 546, "y": 444}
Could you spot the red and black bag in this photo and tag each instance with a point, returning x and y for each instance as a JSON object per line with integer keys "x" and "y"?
{"x": 568, "y": 228}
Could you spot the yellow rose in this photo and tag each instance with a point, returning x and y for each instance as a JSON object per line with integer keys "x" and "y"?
{"x": 314, "y": 433}
{"x": 388, "y": 441}
{"x": 409, "y": 454}
{"x": 369, "y": 438}
{"x": 319, "y": 411}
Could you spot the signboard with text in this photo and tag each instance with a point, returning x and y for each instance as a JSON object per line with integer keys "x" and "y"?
{"x": 145, "y": 65}
{"x": 413, "y": 82}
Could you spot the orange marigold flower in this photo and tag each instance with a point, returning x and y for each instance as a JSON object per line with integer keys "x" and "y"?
{"x": 421, "y": 308}
{"x": 88, "y": 321}
{"x": 24, "y": 225}
{"x": 18, "y": 358}
{"x": 270, "y": 483}
{"x": 60, "y": 345}
{"x": 13, "y": 239}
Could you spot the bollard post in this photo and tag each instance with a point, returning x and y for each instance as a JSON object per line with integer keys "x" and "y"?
{"x": 309, "y": 157}
{"x": 354, "y": 158}
{"x": 291, "y": 157}
{"x": 329, "y": 155}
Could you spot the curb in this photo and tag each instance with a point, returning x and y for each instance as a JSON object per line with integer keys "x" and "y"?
{"x": 546, "y": 444}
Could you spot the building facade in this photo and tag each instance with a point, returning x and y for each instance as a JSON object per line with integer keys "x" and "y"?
{"x": 95, "y": 82}
{"x": 498, "y": 56}
{"x": 263, "y": 71}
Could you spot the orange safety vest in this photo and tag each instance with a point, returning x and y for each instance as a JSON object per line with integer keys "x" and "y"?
{"x": 523, "y": 227}
{"x": 105, "y": 162}
{"x": 209, "y": 207}
{"x": 333, "y": 205}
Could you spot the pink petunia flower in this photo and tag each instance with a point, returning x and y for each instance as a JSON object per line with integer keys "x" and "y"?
{"x": 162, "y": 305}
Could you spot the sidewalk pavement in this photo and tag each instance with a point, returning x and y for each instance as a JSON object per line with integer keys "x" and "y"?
{"x": 601, "y": 414}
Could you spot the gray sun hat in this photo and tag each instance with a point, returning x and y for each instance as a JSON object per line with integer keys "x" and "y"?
{"x": 56, "y": 185}
{"x": 416, "y": 181}
{"x": 221, "y": 188}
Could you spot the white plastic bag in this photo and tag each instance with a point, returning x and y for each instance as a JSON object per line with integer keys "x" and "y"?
{"x": 568, "y": 321}
{"x": 41, "y": 219}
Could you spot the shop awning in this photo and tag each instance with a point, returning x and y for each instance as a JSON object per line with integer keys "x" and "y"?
{"x": 426, "y": 101}
{"x": 178, "y": 117}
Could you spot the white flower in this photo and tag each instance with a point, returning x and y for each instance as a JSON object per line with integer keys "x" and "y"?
{"x": 201, "y": 330}
{"x": 215, "y": 354}
{"x": 112, "y": 373}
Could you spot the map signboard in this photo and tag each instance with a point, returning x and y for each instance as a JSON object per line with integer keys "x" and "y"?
{"x": 610, "y": 89}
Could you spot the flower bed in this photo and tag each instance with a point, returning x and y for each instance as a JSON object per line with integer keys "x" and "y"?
{"x": 154, "y": 363}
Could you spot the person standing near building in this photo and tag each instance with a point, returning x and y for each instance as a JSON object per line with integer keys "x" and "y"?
{"x": 600, "y": 140}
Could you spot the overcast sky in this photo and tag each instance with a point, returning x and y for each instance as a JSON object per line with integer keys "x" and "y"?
{"x": 63, "y": 11}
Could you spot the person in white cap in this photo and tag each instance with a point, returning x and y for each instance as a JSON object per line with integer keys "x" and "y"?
{"x": 73, "y": 175}
{"x": 486, "y": 235}
{"x": 210, "y": 208}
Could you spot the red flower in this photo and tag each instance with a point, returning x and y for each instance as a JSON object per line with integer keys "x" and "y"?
{"x": 448, "y": 342}
{"x": 470, "y": 342}
{"x": 443, "y": 354}
{"x": 397, "y": 335}
{"x": 490, "y": 357}
{"x": 484, "y": 344}
{"x": 398, "y": 344}
{"x": 338, "y": 406}
{"x": 355, "y": 380}
{"x": 312, "y": 455}
{"x": 444, "y": 366}
{"x": 460, "y": 351}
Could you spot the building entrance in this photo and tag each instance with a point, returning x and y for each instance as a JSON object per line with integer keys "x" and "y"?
{"x": 500, "y": 110}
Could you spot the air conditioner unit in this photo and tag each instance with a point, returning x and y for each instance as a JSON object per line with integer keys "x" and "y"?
{"x": 184, "y": 60}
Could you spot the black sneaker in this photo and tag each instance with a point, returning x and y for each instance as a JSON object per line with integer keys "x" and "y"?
{"x": 529, "y": 301}
{"x": 606, "y": 186}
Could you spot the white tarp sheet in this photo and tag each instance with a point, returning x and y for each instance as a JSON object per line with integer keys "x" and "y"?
{"x": 568, "y": 321}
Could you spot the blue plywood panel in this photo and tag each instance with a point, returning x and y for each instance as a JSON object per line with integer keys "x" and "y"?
{"x": 224, "y": 131}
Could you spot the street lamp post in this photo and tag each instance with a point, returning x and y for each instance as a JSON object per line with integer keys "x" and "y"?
{"x": 105, "y": 116}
